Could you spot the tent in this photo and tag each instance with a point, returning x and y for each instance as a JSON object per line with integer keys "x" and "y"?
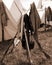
{"x": 41, "y": 11}
{"x": 46, "y": 4}
{"x": 15, "y": 11}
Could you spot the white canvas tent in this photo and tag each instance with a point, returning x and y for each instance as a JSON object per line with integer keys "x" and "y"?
{"x": 15, "y": 11}
{"x": 14, "y": 15}
{"x": 45, "y": 4}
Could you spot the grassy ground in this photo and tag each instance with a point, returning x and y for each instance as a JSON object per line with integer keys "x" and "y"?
{"x": 19, "y": 56}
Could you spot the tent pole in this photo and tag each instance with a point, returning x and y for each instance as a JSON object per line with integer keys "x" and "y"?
{"x": 2, "y": 33}
{"x": 45, "y": 19}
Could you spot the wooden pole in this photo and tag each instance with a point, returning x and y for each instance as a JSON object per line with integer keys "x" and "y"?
{"x": 28, "y": 50}
{"x": 45, "y": 19}
{"x": 2, "y": 30}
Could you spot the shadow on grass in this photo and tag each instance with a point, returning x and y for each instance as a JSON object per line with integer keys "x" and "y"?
{"x": 1, "y": 63}
{"x": 23, "y": 63}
